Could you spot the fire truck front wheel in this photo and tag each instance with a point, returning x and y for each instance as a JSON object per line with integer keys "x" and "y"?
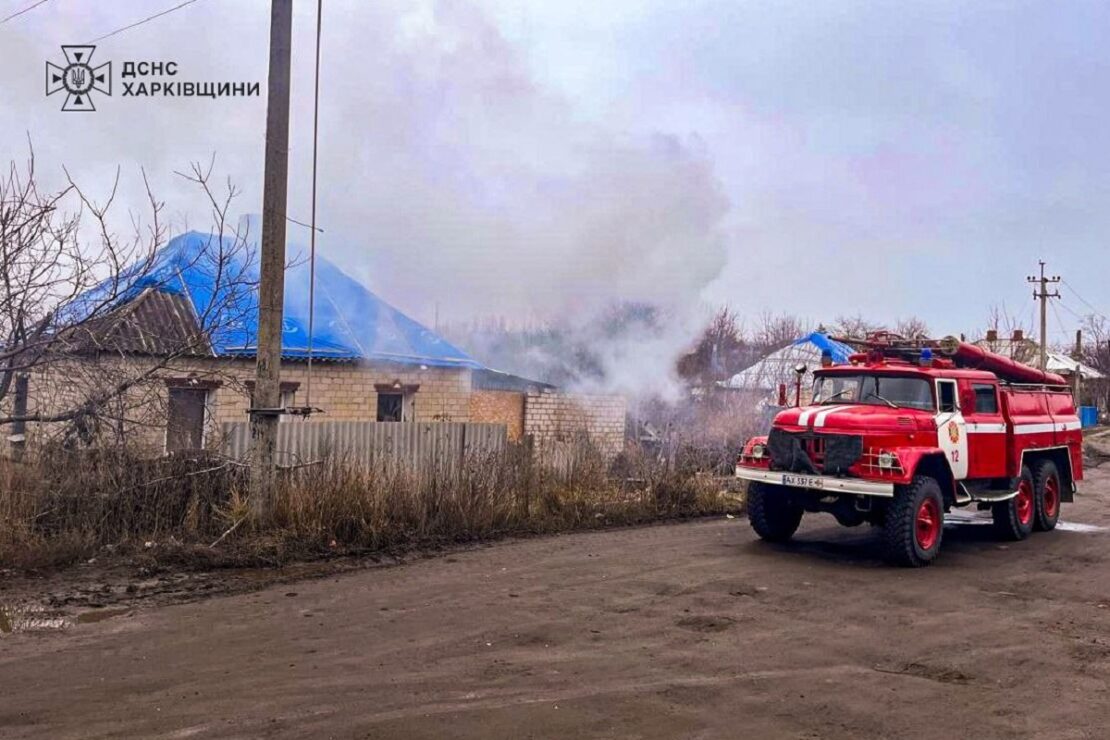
{"x": 914, "y": 523}
{"x": 772, "y": 514}
{"x": 1013, "y": 518}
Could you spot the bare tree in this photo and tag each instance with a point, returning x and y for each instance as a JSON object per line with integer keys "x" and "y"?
{"x": 1096, "y": 343}
{"x": 1004, "y": 326}
{"x": 777, "y": 330}
{"x": 69, "y": 285}
{"x": 1096, "y": 354}
{"x": 854, "y": 327}
{"x": 911, "y": 327}
{"x": 720, "y": 351}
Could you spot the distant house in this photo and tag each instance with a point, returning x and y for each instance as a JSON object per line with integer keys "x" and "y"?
{"x": 779, "y": 367}
{"x": 370, "y": 362}
{"x": 1092, "y": 383}
{"x": 1061, "y": 364}
{"x": 1017, "y": 346}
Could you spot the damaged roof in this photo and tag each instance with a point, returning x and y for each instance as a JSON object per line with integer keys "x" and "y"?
{"x": 486, "y": 379}
{"x": 156, "y": 322}
{"x": 188, "y": 278}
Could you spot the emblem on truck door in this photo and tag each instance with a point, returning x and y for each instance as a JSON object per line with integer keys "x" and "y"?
{"x": 953, "y": 432}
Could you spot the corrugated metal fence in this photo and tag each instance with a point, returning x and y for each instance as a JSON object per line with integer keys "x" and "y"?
{"x": 421, "y": 446}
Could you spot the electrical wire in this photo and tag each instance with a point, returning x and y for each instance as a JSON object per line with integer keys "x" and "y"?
{"x": 1059, "y": 322}
{"x": 144, "y": 20}
{"x": 1084, "y": 300}
{"x": 312, "y": 239}
{"x": 21, "y": 12}
{"x": 1072, "y": 311}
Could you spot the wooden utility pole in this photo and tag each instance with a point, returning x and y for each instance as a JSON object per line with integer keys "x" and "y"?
{"x": 1041, "y": 294}
{"x": 264, "y": 411}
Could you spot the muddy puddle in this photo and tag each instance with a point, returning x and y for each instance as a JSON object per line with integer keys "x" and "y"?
{"x": 31, "y": 618}
{"x": 16, "y": 618}
{"x": 962, "y": 518}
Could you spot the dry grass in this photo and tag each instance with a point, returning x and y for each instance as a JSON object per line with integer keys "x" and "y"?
{"x": 65, "y": 506}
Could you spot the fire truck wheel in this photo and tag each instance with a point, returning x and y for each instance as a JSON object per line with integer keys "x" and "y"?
{"x": 914, "y": 523}
{"x": 1046, "y": 487}
{"x": 771, "y": 513}
{"x": 1013, "y": 519}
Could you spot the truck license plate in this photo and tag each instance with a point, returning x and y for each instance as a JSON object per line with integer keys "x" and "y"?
{"x": 803, "y": 481}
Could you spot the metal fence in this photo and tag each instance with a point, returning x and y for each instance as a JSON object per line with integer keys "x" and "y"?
{"x": 419, "y": 446}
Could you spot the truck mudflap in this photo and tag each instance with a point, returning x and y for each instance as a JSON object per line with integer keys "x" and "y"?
{"x": 828, "y": 483}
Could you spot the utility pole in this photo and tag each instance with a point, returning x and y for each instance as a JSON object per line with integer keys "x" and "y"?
{"x": 1078, "y": 363}
{"x": 1041, "y": 294}
{"x": 264, "y": 411}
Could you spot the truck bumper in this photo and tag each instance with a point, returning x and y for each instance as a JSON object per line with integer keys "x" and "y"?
{"x": 818, "y": 482}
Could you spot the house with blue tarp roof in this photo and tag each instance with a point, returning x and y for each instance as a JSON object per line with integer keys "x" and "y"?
{"x": 193, "y": 307}
{"x": 351, "y": 322}
{"x": 190, "y": 312}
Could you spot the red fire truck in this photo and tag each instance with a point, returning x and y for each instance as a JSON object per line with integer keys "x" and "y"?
{"x": 909, "y": 430}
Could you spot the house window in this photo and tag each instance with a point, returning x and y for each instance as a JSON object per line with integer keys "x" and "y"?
{"x": 396, "y": 401}
{"x": 185, "y": 420}
{"x": 986, "y": 400}
{"x": 288, "y": 397}
{"x": 391, "y": 406}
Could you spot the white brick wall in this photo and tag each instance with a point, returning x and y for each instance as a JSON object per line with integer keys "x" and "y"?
{"x": 553, "y": 416}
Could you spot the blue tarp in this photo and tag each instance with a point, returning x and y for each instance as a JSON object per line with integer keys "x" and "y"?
{"x": 350, "y": 322}
{"x": 837, "y": 350}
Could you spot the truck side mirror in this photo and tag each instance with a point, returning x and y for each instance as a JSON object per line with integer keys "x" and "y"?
{"x": 800, "y": 369}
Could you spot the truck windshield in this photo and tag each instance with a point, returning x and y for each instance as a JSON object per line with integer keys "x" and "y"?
{"x": 877, "y": 390}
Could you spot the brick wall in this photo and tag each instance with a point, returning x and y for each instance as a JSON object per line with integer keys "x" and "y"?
{"x": 346, "y": 392}
{"x": 554, "y": 416}
{"x": 137, "y": 415}
{"x": 499, "y": 407}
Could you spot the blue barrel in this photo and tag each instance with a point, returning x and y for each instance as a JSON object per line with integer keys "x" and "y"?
{"x": 1088, "y": 416}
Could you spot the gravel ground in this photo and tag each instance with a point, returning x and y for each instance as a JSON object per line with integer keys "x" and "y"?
{"x": 687, "y": 630}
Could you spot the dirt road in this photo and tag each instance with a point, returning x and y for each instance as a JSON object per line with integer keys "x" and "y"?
{"x": 691, "y": 630}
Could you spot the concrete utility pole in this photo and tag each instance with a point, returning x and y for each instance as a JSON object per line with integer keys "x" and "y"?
{"x": 264, "y": 411}
{"x": 1041, "y": 294}
{"x": 1078, "y": 379}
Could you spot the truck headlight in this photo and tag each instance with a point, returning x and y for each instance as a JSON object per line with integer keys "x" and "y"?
{"x": 757, "y": 451}
{"x": 886, "y": 460}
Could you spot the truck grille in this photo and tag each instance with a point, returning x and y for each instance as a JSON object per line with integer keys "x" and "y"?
{"x": 809, "y": 452}
{"x": 815, "y": 448}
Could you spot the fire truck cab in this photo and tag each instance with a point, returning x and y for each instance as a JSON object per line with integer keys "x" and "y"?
{"x": 908, "y": 431}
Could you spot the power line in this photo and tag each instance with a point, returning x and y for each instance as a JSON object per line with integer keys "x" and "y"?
{"x": 21, "y": 12}
{"x": 312, "y": 239}
{"x": 1072, "y": 311}
{"x": 144, "y": 20}
{"x": 1084, "y": 300}
{"x": 1059, "y": 322}
{"x": 302, "y": 223}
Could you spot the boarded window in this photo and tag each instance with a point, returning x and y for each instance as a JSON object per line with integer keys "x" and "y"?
{"x": 986, "y": 399}
{"x": 288, "y": 399}
{"x": 391, "y": 406}
{"x": 185, "y": 425}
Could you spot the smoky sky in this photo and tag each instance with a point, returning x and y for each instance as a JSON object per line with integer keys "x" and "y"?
{"x": 541, "y": 159}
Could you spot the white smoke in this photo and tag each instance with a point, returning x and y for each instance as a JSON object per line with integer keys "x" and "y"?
{"x": 482, "y": 193}
{"x": 451, "y": 180}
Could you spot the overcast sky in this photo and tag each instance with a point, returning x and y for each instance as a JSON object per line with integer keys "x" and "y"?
{"x": 505, "y": 156}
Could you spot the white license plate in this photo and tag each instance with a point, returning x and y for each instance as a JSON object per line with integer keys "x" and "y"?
{"x": 803, "y": 481}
